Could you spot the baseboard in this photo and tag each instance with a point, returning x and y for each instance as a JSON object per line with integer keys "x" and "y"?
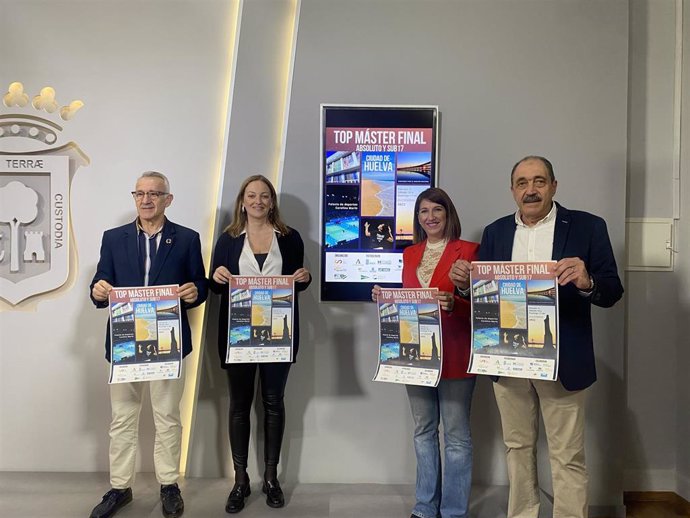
{"x": 650, "y": 480}
{"x": 606, "y": 511}
{"x": 683, "y": 486}
{"x": 680, "y": 504}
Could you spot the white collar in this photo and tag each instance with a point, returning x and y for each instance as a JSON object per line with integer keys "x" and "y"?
{"x": 546, "y": 219}
{"x": 141, "y": 229}
{"x": 274, "y": 230}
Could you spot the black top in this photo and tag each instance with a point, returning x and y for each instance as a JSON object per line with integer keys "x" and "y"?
{"x": 261, "y": 259}
{"x": 227, "y": 253}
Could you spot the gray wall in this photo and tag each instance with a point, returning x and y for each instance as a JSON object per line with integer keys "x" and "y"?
{"x": 510, "y": 79}
{"x": 682, "y": 349}
{"x": 651, "y": 453}
{"x": 658, "y": 409}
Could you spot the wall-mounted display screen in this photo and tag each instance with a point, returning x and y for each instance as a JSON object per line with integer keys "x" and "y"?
{"x": 375, "y": 160}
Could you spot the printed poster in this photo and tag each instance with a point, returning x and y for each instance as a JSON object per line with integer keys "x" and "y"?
{"x": 260, "y": 319}
{"x": 410, "y": 346}
{"x": 514, "y": 320}
{"x": 145, "y": 340}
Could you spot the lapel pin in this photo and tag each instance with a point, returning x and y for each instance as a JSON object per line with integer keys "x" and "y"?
{"x": 168, "y": 241}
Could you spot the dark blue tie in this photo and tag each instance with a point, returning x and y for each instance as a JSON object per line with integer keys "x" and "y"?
{"x": 152, "y": 250}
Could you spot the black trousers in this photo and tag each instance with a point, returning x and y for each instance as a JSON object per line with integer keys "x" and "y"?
{"x": 272, "y": 377}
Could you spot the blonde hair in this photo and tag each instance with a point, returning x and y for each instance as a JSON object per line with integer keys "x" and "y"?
{"x": 239, "y": 217}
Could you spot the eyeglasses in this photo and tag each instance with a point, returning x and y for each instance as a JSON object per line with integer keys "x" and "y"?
{"x": 154, "y": 195}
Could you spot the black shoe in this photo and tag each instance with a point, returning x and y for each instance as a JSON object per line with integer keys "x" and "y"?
{"x": 112, "y": 502}
{"x": 171, "y": 501}
{"x": 236, "y": 497}
{"x": 274, "y": 495}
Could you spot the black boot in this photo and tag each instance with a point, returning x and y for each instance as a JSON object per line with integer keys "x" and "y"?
{"x": 239, "y": 492}
{"x": 274, "y": 495}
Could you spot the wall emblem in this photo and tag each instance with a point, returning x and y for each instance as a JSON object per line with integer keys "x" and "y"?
{"x": 36, "y": 170}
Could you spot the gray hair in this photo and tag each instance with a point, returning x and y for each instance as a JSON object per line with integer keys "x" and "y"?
{"x": 156, "y": 174}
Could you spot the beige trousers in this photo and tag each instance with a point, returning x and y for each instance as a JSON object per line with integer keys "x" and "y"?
{"x": 563, "y": 412}
{"x": 126, "y": 400}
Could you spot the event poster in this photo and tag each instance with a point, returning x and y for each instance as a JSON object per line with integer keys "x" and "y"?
{"x": 410, "y": 346}
{"x": 145, "y": 340}
{"x": 260, "y": 319}
{"x": 376, "y": 161}
{"x": 514, "y": 320}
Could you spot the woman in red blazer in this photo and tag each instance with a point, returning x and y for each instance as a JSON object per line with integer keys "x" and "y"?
{"x": 427, "y": 263}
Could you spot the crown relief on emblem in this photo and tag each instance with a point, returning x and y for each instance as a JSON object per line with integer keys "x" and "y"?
{"x": 32, "y": 127}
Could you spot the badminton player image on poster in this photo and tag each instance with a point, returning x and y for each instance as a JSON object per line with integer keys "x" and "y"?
{"x": 514, "y": 320}
{"x": 260, "y": 319}
{"x": 410, "y": 348}
{"x": 145, "y": 341}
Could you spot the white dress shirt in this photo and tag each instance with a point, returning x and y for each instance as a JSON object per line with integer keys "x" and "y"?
{"x": 534, "y": 243}
{"x": 147, "y": 252}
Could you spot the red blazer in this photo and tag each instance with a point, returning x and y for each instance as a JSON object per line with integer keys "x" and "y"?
{"x": 455, "y": 326}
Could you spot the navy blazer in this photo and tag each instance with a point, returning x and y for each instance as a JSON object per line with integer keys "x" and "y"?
{"x": 576, "y": 234}
{"x": 177, "y": 261}
{"x": 227, "y": 253}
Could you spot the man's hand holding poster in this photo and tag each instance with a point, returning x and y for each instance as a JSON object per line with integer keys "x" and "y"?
{"x": 514, "y": 319}
{"x": 145, "y": 334}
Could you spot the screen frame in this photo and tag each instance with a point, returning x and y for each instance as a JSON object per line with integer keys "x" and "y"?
{"x": 341, "y": 115}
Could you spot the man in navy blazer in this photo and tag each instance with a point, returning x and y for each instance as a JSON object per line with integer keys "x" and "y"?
{"x": 150, "y": 251}
{"x": 542, "y": 230}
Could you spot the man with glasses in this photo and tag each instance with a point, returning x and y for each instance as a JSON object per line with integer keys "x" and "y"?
{"x": 149, "y": 251}
{"x": 543, "y": 230}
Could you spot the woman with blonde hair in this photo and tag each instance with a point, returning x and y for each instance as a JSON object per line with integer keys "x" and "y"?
{"x": 257, "y": 242}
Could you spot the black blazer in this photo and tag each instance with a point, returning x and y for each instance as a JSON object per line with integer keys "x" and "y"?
{"x": 576, "y": 234}
{"x": 178, "y": 261}
{"x": 227, "y": 253}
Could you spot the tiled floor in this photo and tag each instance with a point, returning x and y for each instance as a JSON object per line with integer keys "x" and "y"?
{"x": 73, "y": 495}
